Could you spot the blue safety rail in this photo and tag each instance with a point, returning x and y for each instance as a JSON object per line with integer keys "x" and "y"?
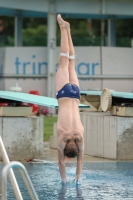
{"x": 91, "y": 92}
{"x": 35, "y": 99}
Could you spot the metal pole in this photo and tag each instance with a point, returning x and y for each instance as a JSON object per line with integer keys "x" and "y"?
{"x": 102, "y": 32}
{"x": 25, "y": 177}
{"x": 18, "y": 31}
{"x": 51, "y": 50}
{"x": 111, "y": 33}
{"x": 11, "y": 173}
{"x": 103, "y": 4}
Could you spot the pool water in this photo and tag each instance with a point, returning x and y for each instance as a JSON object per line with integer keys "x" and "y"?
{"x": 99, "y": 180}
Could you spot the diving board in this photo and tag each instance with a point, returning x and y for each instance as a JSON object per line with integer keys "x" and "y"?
{"x": 91, "y": 92}
{"x": 35, "y": 99}
{"x": 128, "y": 95}
{"x": 91, "y": 98}
{"x": 110, "y": 98}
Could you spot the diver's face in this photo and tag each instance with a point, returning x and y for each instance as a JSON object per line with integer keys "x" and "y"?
{"x": 71, "y": 149}
{"x": 71, "y": 143}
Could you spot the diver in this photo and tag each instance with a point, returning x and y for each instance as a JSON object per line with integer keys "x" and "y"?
{"x": 69, "y": 127}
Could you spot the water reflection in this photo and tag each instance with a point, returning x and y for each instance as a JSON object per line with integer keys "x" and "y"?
{"x": 79, "y": 193}
{"x": 62, "y": 192}
{"x": 76, "y": 188}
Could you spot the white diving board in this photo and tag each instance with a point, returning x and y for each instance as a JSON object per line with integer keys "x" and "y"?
{"x": 35, "y": 99}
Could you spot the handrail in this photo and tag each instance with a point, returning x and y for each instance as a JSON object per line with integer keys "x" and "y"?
{"x": 11, "y": 173}
{"x": 89, "y": 76}
{"x": 105, "y": 76}
{"x": 25, "y": 177}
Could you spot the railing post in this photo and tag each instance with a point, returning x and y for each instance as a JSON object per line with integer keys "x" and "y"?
{"x": 25, "y": 177}
{"x": 11, "y": 173}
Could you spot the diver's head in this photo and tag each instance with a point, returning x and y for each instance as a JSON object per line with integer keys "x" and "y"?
{"x": 71, "y": 150}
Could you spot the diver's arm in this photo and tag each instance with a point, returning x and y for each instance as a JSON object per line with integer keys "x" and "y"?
{"x": 80, "y": 158}
{"x": 61, "y": 159}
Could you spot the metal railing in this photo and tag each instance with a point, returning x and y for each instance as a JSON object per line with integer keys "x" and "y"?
{"x": 11, "y": 173}
{"x": 23, "y": 76}
{"x": 24, "y": 175}
{"x": 12, "y": 177}
{"x": 10, "y": 76}
{"x": 105, "y": 76}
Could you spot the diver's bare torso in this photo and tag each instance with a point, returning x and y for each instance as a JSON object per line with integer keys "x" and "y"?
{"x": 69, "y": 123}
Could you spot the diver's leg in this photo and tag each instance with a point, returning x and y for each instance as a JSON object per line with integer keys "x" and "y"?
{"x": 62, "y": 75}
{"x": 73, "y": 79}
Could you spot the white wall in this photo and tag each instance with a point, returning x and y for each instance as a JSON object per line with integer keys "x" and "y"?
{"x": 89, "y": 61}
{"x": 26, "y": 61}
{"x": 118, "y": 61}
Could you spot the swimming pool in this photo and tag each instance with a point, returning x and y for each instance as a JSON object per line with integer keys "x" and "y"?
{"x": 100, "y": 181}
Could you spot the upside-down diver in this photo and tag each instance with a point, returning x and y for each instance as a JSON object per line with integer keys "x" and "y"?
{"x": 69, "y": 127}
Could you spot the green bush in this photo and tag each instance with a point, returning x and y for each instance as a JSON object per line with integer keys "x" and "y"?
{"x": 35, "y": 36}
{"x": 48, "y": 127}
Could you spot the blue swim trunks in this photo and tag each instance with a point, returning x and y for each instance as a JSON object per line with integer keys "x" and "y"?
{"x": 69, "y": 90}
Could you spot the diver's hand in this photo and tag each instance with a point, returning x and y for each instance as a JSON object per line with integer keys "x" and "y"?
{"x": 77, "y": 182}
{"x": 64, "y": 182}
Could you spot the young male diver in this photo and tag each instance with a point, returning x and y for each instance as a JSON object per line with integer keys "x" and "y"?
{"x": 69, "y": 127}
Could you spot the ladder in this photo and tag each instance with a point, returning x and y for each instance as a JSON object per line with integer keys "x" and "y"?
{"x": 8, "y": 168}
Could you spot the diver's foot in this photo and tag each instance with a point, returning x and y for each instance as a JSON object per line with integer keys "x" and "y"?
{"x": 61, "y": 22}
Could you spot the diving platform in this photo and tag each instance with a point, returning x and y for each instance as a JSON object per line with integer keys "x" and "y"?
{"x": 117, "y": 103}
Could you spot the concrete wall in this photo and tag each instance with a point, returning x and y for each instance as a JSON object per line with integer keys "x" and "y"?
{"x": 108, "y": 136}
{"x": 22, "y": 137}
{"x": 99, "y": 139}
{"x": 105, "y": 135}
